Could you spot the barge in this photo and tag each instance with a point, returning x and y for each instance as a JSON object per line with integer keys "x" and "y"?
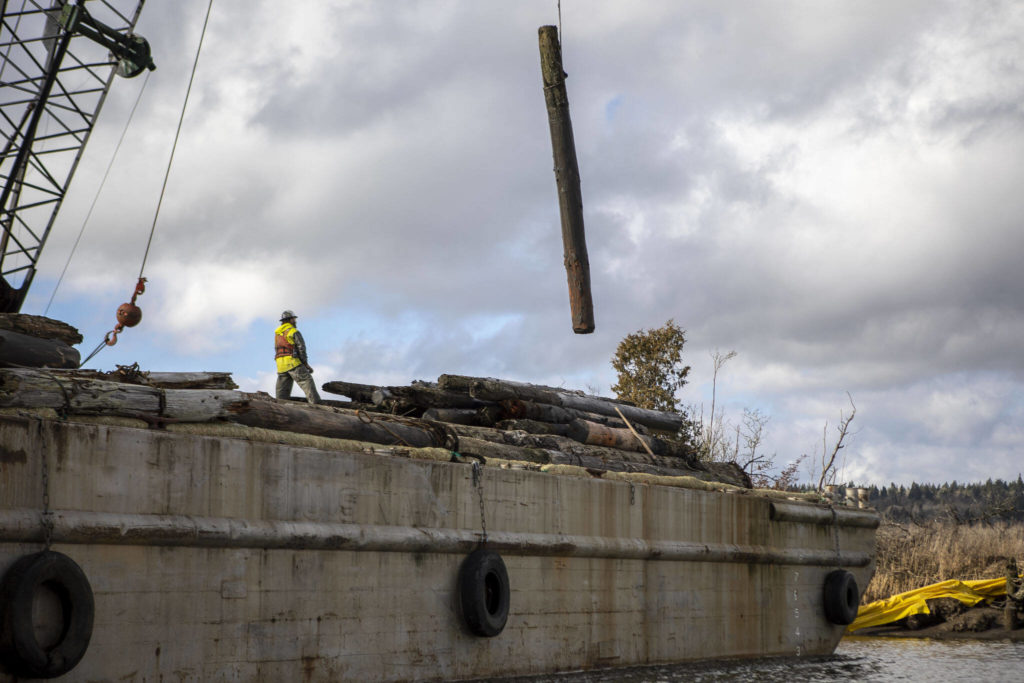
{"x": 213, "y": 550}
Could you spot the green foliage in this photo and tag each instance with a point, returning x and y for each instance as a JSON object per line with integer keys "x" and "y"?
{"x": 650, "y": 368}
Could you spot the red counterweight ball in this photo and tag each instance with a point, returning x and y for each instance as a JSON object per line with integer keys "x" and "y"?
{"x": 129, "y": 315}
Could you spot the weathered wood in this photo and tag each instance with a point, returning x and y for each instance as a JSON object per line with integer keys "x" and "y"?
{"x": 76, "y": 393}
{"x": 362, "y": 393}
{"x": 190, "y": 380}
{"x": 464, "y": 384}
{"x": 501, "y": 390}
{"x": 40, "y": 326}
{"x": 533, "y": 427}
{"x": 515, "y": 409}
{"x": 596, "y": 463}
{"x": 163, "y": 380}
{"x": 1013, "y": 602}
{"x": 633, "y": 431}
{"x": 624, "y": 439}
{"x": 426, "y": 396}
{"x": 35, "y": 389}
{"x": 351, "y": 406}
{"x": 567, "y": 178}
{"x": 602, "y": 457}
{"x": 489, "y": 450}
{"x": 463, "y": 416}
{"x": 375, "y": 428}
{"x": 17, "y": 349}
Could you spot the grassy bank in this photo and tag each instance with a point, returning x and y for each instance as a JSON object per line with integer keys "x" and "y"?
{"x": 911, "y": 556}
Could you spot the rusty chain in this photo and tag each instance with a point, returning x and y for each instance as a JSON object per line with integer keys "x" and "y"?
{"x": 478, "y": 482}
{"x": 47, "y": 515}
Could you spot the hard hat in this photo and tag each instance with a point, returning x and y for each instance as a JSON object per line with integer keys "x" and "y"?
{"x": 287, "y": 315}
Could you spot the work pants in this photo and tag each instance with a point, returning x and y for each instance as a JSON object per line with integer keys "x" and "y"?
{"x": 303, "y": 377}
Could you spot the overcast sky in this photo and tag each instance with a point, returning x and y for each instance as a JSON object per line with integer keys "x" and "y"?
{"x": 834, "y": 190}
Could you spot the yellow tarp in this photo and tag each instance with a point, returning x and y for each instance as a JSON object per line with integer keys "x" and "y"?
{"x": 913, "y": 602}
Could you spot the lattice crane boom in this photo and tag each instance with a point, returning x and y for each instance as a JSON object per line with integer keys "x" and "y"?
{"x": 57, "y": 61}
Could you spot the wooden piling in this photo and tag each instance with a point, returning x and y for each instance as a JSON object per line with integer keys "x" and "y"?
{"x": 1010, "y": 621}
{"x": 567, "y": 178}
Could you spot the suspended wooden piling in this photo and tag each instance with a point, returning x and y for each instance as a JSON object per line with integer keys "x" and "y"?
{"x": 567, "y": 177}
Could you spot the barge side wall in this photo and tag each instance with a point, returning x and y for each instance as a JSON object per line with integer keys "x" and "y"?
{"x": 226, "y": 559}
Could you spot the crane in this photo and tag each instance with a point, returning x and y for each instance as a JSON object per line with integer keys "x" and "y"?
{"x": 57, "y": 62}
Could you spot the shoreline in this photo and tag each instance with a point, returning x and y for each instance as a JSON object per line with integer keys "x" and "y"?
{"x": 979, "y": 623}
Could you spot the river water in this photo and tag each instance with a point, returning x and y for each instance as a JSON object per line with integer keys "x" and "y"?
{"x": 856, "y": 659}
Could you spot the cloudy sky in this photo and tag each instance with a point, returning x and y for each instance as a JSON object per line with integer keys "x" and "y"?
{"x": 831, "y": 189}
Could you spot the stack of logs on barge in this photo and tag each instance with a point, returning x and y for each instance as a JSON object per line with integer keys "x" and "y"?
{"x": 505, "y": 420}
{"x": 474, "y": 418}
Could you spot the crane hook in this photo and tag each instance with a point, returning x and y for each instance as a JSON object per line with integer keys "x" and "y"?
{"x": 128, "y": 314}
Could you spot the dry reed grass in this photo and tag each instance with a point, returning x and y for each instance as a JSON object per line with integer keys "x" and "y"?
{"x": 913, "y": 556}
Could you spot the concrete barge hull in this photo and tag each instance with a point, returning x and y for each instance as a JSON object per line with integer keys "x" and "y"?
{"x": 216, "y": 558}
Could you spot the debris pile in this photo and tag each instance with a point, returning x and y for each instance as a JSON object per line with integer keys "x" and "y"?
{"x": 529, "y": 423}
{"x": 519, "y": 425}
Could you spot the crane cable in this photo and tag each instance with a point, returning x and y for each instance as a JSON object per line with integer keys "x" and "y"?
{"x": 560, "y": 24}
{"x": 128, "y": 314}
{"x": 99, "y": 191}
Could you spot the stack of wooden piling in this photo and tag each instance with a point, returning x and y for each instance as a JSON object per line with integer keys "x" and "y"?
{"x": 502, "y": 419}
{"x": 481, "y": 418}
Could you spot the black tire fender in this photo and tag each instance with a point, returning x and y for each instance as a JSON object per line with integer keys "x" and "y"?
{"x": 842, "y": 598}
{"x": 20, "y": 651}
{"x": 484, "y": 592}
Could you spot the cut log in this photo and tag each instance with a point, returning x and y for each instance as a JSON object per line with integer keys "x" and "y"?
{"x": 567, "y": 178}
{"x": 500, "y": 390}
{"x": 362, "y": 393}
{"x": 533, "y": 427}
{"x": 464, "y": 383}
{"x": 623, "y": 439}
{"x": 375, "y": 428}
{"x": 632, "y": 460}
{"x": 462, "y": 416}
{"x": 350, "y": 406}
{"x": 41, "y": 327}
{"x": 17, "y": 349}
{"x": 426, "y": 396}
{"x": 515, "y": 409}
{"x": 190, "y": 380}
{"x": 489, "y": 450}
{"x": 163, "y": 380}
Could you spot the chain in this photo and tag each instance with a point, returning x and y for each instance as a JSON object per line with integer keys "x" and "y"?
{"x": 632, "y": 494}
{"x": 478, "y": 482}
{"x": 47, "y": 517}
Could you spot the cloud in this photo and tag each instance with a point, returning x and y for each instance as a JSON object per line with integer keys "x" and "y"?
{"x": 831, "y": 190}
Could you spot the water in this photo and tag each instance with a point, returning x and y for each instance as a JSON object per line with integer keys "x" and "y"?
{"x": 856, "y": 659}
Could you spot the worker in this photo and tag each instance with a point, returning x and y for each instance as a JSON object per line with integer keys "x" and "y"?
{"x": 292, "y": 363}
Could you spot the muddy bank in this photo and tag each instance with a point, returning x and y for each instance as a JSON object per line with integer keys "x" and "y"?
{"x": 953, "y": 620}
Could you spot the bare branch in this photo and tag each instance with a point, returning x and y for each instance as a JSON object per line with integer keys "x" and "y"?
{"x": 828, "y": 471}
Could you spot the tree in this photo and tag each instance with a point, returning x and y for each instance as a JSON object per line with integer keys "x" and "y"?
{"x": 650, "y": 369}
{"x": 828, "y": 460}
{"x": 712, "y": 436}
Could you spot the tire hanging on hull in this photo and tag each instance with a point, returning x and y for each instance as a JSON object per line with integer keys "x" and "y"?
{"x": 20, "y": 650}
{"x": 484, "y": 592}
{"x": 842, "y": 598}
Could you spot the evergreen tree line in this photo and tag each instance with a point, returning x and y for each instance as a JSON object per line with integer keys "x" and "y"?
{"x": 962, "y": 503}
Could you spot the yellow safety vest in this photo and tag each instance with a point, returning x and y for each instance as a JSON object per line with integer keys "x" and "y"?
{"x": 284, "y": 347}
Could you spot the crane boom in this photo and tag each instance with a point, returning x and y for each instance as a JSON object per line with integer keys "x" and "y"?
{"x": 57, "y": 62}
